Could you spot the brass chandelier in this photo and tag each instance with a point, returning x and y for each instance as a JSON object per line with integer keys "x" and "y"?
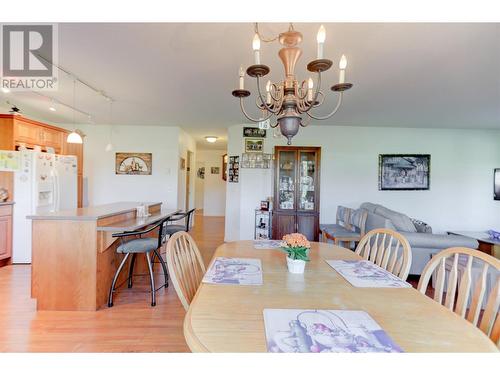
{"x": 288, "y": 100}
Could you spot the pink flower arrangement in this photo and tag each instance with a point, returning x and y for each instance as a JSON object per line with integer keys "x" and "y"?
{"x": 296, "y": 246}
{"x": 296, "y": 240}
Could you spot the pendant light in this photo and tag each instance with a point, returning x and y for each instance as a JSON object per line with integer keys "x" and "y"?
{"x": 109, "y": 146}
{"x": 74, "y": 136}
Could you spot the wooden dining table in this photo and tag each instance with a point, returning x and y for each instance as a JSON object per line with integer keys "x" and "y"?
{"x": 229, "y": 318}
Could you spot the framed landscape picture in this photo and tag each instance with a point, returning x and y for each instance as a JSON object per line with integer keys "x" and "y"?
{"x": 254, "y": 145}
{"x": 133, "y": 163}
{"x": 404, "y": 172}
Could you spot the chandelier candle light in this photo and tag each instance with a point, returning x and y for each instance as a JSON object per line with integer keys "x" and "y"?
{"x": 290, "y": 100}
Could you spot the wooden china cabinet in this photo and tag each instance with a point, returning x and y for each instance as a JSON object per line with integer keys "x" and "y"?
{"x": 296, "y": 191}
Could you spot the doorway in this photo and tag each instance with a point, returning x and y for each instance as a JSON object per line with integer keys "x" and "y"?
{"x": 189, "y": 201}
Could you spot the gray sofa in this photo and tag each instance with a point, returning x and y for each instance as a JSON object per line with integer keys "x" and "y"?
{"x": 423, "y": 242}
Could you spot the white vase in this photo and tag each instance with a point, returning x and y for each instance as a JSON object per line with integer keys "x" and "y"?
{"x": 295, "y": 265}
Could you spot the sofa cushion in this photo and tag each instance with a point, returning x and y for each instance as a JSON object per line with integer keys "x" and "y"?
{"x": 343, "y": 214}
{"x": 374, "y": 221}
{"x": 438, "y": 241}
{"x": 399, "y": 220}
{"x": 370, "y": 207}
{"x": 356, "y": 218}
{"x": 336, "y": 230}
{"x": 421, "y": 226}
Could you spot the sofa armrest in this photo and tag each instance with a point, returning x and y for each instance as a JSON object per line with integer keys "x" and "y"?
{"x": 439, "y": 241}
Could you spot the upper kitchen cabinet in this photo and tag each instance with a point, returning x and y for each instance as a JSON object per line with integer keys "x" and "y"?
{"x": 17, "y": 130}
{"x": 32, "y": 134}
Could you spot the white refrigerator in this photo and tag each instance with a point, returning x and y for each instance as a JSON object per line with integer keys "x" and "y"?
{"x": 45, "y": 183}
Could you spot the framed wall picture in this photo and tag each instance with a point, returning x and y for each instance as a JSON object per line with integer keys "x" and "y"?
{"x": 496, "y": 184}
{"x": 404, "y": 172}
{"x": 225, "y": 159}
{"x": 233, "y": 170}
{"x": 133, "y": 163}
{"x": 254, "y": 145}
{"x": 254, "y": 132}
{"x": 214, "y": 170}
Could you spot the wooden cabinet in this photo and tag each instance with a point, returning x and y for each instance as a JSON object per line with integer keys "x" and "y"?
{"x": 76, "y": 149}
{"x": 5, "y": 232}
{"x": 296, "y": 191}
{"x": 32, "y": 135}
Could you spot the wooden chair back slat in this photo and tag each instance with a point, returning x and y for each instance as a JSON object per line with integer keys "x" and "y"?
{"x": 394, "y": 258}
{"x": 491, "y": 311}
{"x": 464, "y": 288}
{"x": 489, "y": 323}
{"x": 185, "y": 266}
{"x": 478, "y": 297}
{"x": 385, "y": 259}
{"x": 438, "y": 293}
{"x": 378, "y": 247}
{"x": 452, "y": 284}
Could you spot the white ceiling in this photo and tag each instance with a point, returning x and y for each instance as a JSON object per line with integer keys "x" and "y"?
{"x": 405, "y": 75}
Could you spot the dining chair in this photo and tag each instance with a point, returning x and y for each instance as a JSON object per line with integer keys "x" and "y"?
{"x": 465, "y": 268}
{"x": 185, "y": 266}
{"x": 387, "y": 249}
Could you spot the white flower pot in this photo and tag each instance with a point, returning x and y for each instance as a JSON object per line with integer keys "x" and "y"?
{"x": 295, "y": 265}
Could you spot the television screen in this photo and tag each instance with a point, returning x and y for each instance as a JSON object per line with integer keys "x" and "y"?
{"x": 496, "y": 191}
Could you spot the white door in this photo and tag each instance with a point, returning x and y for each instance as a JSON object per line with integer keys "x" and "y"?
{"x": 66, "y": 182}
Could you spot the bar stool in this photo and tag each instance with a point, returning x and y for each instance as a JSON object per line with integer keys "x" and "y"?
{"x": 146, "y": 246}
{"x": 171, "y": 229}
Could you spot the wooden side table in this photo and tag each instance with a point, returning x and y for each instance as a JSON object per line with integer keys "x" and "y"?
{"x": 486, "y": 244}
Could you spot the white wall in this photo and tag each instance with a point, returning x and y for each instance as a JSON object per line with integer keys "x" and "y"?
{"x": 105, "y": 186}
{"x": 460, "y": 196}
{"x": 214, "y": 190}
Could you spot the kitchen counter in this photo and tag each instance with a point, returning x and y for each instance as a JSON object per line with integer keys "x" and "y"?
{"x": 136, "y": 223}
{"x": 74, "y": 254}
{"x": 7, "y": 203}
{"x": 92, "y": 213}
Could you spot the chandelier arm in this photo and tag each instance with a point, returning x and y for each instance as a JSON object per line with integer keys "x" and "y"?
{"x": 315, "y": 97}
{"x": 278, "y": 90}
{"x": 339, "y": 102}
{"x": 262, "y": 99}
{"x": 304, "y": 123}
{"x": 300, "y": 89}
{"x": 248, "y": 116}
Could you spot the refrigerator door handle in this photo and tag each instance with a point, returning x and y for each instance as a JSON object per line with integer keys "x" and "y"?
{"x": 57, "y": 190}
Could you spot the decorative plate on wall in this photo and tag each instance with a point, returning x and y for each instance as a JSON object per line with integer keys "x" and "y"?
{"x": 133, "y": 163}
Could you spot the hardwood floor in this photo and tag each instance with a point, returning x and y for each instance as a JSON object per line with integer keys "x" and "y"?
{"x": 131, "y": 325}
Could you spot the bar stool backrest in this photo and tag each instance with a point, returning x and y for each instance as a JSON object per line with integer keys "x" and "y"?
{"x": 187, "y": 215}
{"x": 185, "y": 266}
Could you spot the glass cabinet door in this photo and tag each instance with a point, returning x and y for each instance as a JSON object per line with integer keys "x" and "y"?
{"x": 307, "y": 180}
{"x": 286, "y": 180}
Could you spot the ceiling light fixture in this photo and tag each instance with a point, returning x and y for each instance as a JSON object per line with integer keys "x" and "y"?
{"x": 211, "y": 139}
{"x": 52, "y": 107}
{"x": 5, "y": 90}
{"x": 290, "y": 100}
{"x": 74, "y": 137}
